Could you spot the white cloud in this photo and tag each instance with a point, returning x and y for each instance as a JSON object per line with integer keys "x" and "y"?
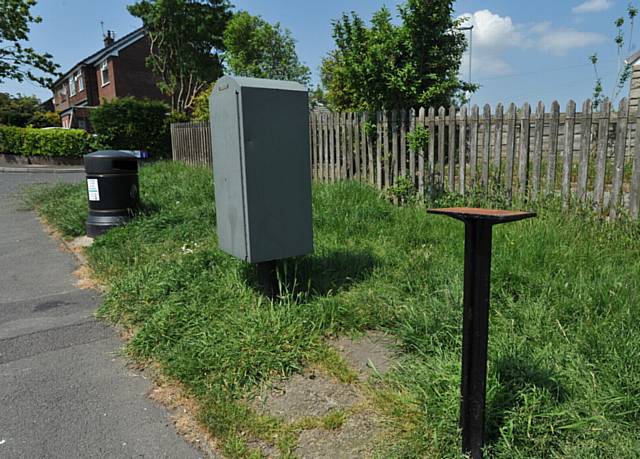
{"x": 560, "y": 42}
{"x": 492, "y": 34}
{"x": 491, "y": 30}
{"x": 485, "y": 65}
{"x": 495, "y": 35}
{"x": 592, "y": 6}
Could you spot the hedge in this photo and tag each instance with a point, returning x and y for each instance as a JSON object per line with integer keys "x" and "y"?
{"x": 46, "y": 142}
{"x": 133, "y": 124}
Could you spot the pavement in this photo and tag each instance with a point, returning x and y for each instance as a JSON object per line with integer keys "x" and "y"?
{"x": 64, "y": 390}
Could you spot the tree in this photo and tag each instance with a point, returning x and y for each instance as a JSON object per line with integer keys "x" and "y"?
{"x": 388, "y": 66}
{"x": 258, "y": 49}
{"x": 19, "y": 62}
{"x": 186, "y": 39}
{"x": 23, "y": 111}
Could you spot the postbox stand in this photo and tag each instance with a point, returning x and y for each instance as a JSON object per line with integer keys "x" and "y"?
{"x": 475, "y": 325}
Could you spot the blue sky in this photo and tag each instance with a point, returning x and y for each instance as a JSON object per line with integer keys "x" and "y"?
{"x": 522, "y": 50}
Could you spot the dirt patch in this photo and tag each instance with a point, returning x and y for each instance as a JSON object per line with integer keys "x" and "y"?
{"x": 318, "y": 396}
{"x": 359, "y": 437}
{"x": 84, "y": 274}
{"x": 86, "y": 279}
{"x": 370, "y": 354}
{"x": 308, "y": 395}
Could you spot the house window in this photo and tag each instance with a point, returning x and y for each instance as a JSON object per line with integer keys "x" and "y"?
{"x": 79, "y": 81}
{"x": 72, "y": 87}
{"x": 63, "y": 92}
{"x": 104, "y": 73}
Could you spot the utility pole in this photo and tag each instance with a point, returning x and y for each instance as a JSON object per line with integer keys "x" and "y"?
{"x": 470, "y": 29}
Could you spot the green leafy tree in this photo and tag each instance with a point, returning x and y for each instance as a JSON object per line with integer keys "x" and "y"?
{"x": 255, "y": 48}
{"x": 385, "y": 65}
{"x": 23, "y": 111}
{"x": 186, "y": 40}
{"x": 317, "y": 97}
{"x": 17, "y": 61}
{"x": 201, "y": 105}
{"x": 258, "y": 49}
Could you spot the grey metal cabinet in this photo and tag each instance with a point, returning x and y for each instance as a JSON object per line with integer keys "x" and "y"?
{"x": 262, "y": 171}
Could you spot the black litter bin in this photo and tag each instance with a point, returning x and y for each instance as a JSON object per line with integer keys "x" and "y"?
{"x": 112, "y": 189}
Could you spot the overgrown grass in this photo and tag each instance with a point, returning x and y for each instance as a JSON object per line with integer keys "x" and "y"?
{"x": 564, "y": 351}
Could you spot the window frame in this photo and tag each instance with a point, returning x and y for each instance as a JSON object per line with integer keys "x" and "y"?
{"x": 72, "y": 87}
{"x": 79, "y": 80}
{"x": 104, "y": 67}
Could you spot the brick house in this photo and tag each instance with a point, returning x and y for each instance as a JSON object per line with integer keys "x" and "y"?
{"x": 117, "y": 70}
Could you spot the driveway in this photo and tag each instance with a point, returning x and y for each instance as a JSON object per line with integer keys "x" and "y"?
{"x": 64, "y": 391}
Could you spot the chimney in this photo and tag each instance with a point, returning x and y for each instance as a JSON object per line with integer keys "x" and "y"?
{"x": 109, "y": 38}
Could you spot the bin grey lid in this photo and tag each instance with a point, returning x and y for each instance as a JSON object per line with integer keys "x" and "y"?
{"x": 110, "y": 162}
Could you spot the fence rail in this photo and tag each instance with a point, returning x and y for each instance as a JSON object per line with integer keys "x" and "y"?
{"x": 590, "y": 156}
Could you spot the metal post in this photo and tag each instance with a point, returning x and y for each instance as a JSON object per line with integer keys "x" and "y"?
{"x": 268, "y": 278}
{"x": 475, "y": 334}
{"x": 475, "y": 325}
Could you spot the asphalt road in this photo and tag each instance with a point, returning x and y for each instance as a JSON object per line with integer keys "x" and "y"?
{"x": 64, "y": 391}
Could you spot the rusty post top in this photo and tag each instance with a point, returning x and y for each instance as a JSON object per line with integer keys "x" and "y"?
{"x": 492, "y": 216}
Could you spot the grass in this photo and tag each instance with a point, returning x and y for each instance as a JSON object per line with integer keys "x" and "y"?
{"x": 564, "y": 350}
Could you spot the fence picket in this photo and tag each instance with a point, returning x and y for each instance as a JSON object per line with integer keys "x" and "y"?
{"x": 412, "y": 151}
{"x": 569, "y": 130}
{"x": 473, "y": 145}
{"x": 511, "y": 150}
{"x": 452, "y": 149}
{"x": 421, "y": 154}
{"x": 585, "y": 145}
{"x": 523, "y": 167}
{"x": 486, "y": 145}
{"x": 538, "y": 136}
{"x": 395, "y": 138}
{"x": 331, "y": 125}
{"x": 368, "y": 137}
{"x": 497, "y": 143}
{"x": 441, "y": 144}
{"x": 432, "y": 149}
{"x": 379, "y": 140}
{"x": 619, "y": 151}
{"x": 463, "y": 147}
{"x": 325, "y": 146}
{"x": 355, "y": 123}
{"x": 345, "y": 154}
{"x": 634, "y": 196}
{"x": 552, "y": 157}
{"x": 313, "y": 147}
{"x": 403, "y": 143}
{"x": 387, "y": 155}
{"x": 601, "y": 158}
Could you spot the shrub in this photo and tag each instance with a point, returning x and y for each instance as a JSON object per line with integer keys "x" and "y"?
{"x": 201, "y": 105}
{"x": 46, "y": 142}
{"x": 45, "y": 119}
{"x": 133, "y": 124}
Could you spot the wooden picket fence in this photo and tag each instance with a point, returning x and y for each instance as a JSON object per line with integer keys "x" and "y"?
{"x": 191, "y": 143}
{"x": 589, "y": 156}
